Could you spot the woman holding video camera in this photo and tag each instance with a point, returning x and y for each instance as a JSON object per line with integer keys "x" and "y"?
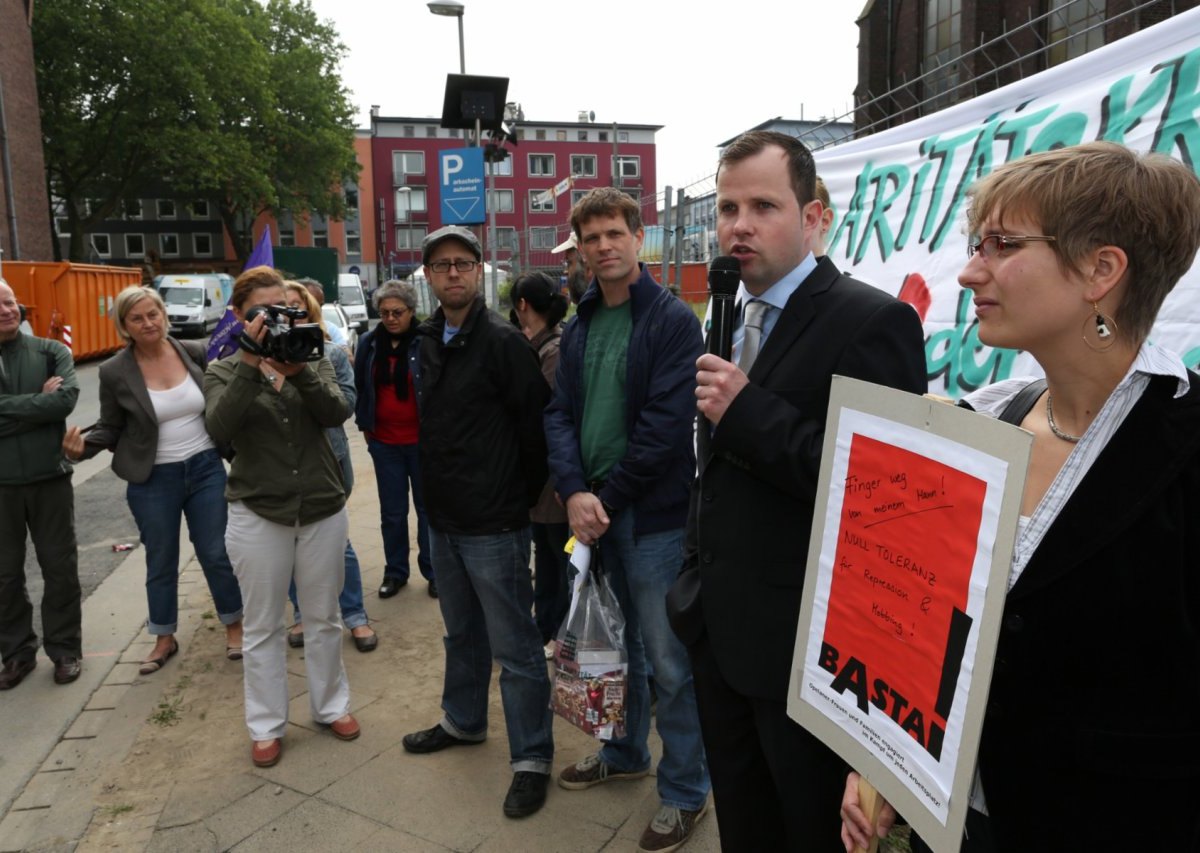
{"x": 287, "y": 516}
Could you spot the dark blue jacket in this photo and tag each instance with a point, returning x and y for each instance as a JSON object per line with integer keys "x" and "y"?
{"x": 654, "y": 476}
{"x": 364, "y": 376}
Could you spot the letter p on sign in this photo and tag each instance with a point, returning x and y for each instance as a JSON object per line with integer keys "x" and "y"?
{"x": 451, "y": 165}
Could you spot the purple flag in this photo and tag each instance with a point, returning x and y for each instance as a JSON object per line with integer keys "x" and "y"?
{"x": 224, "y": 338}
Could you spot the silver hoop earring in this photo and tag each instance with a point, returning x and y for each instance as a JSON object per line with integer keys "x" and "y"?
{"x": 1105, "y": 328}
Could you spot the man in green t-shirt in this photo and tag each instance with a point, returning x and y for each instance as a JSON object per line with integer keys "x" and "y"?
{"x": 619, "y": 432}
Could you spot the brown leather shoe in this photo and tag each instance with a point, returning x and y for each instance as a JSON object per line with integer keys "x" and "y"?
{"x": 346, "y": 728}
{"x": 266, "y": 753}
{"x": 67, "y": 669}
{"x": 14, "y": 672}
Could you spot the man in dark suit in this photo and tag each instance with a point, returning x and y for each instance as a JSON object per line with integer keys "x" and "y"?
{"x": 737, "y": 601}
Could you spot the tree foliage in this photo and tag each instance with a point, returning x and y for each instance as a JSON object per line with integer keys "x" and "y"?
{"x": 235, "y": 101}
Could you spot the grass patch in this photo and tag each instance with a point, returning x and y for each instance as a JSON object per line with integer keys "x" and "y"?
{"x": 208, "y": 614}
{"x": 167, "y": 713}
{"x": 183, "y": 683}
{"x": 113, "y": 811}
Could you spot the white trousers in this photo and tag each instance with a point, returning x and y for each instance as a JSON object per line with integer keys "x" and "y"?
{"x": 266, "y": 557}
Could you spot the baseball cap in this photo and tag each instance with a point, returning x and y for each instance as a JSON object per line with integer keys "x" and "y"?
{"x": 569, "y": 243}
{"x": 451, "y": 232}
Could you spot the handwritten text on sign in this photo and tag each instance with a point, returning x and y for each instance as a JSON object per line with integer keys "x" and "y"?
{"x": 897, "y": 624}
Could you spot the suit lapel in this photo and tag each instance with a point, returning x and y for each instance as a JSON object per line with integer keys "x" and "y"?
{"x": 1140, "y": 461}
{"x": 795, "y": 317}
{"x": 131, "y": 374}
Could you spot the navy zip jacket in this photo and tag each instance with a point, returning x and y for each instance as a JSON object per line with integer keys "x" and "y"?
{"x": 364, "y": 376}
{"x": 655, "y": 475}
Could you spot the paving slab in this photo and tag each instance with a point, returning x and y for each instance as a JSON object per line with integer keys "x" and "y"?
{"x": 313, "y": 825}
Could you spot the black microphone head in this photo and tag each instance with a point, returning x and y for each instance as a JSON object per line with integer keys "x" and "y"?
{"x": 724, "y": 274}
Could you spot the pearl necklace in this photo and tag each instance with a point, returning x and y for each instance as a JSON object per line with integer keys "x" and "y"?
{"x": 1058, "y": 433}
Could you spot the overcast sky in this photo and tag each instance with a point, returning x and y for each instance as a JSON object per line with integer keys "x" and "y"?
{"x": 703, "y": 70}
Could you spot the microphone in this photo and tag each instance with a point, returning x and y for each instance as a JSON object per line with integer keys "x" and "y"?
{"x": 723, "y": 278}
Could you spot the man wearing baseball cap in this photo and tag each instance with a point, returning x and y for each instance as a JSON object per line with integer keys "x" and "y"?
{"x": 576, "y": 268}
{"x": 480, "y": 396}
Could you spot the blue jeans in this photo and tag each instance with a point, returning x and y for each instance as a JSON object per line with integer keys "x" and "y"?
{"x": 395, "y": 470}
{"x": 485, "y": 594}
{"x": 350, "y": 599}
{"x": 194, "y": 489}
{"x": 641, "y": 570}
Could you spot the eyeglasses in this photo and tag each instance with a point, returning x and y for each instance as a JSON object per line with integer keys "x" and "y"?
{"x": 387, "y": 313}
{"x": 990, "y": 245}
{"x": 461, "y": 266}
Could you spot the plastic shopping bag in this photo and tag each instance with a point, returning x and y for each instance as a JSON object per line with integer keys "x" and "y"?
{"x": 591, "y": 666}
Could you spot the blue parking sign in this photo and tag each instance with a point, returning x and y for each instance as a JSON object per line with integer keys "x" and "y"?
{"x": 462, "y": 188}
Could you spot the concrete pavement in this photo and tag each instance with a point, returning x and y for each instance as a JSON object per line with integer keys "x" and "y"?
{"x": 161, "y": 763}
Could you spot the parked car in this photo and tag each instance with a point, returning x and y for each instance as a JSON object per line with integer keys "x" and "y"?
{"x": 195, "y": 303}
{"x": 335, "y": 316}
{"x": 353, "y": 301}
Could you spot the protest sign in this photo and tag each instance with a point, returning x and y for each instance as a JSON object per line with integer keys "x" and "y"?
{"x": 917, "y": 508}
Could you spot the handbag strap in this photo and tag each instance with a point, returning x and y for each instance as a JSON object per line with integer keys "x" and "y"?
{"x": 1019, "y": 405}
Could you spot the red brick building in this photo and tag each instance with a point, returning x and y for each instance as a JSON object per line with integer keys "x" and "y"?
{"x": 25, "y": 236}
{"x": 407, "y": 203}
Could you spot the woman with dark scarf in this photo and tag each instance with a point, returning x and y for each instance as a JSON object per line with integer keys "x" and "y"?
{"x": 387, "y": 412}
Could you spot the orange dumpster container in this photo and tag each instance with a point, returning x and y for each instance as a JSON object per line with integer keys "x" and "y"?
{"x": 72, "y": 303}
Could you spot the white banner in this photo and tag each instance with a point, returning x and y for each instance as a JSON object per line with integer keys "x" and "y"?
{"x": 900, "y": 200}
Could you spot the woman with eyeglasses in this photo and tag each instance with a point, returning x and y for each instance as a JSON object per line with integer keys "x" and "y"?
{"x": 1093, "y": 715}
{"x": 386, "y": 412}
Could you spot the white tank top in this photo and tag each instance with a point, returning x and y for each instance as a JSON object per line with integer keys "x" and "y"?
{"x": 180, "y": 414}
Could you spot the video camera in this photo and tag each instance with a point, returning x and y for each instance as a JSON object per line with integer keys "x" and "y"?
{"x": 284, "y": 341}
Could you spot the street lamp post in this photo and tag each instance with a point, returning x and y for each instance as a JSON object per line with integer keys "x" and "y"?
{"x": 453, "y": 9}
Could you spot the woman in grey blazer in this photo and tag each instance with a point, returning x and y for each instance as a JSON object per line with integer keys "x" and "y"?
{"x": 152, "y": 419}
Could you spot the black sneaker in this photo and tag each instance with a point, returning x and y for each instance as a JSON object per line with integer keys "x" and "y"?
{"x": 434, "y": 740}
{"x": 526, "y": 794}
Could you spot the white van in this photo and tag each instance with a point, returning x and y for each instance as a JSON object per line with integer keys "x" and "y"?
{"x": 353, "y": 301}
{"x": 195, "y": 303}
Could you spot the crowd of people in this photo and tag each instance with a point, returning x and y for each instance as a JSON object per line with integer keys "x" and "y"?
{"x": 696, "y": 478}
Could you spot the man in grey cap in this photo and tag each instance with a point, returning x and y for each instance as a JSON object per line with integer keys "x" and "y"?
{"x": 480, "y": 394}
{"x": 576, "y": 268}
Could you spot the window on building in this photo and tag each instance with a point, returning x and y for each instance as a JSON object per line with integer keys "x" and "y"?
{"x": 62, "y": 226}
{"x": 102, "y": 245}
{"x": 287, "y": 237}
{"x": 560, "y": 135}
{"x": 132, "y": 208}
{"x": 353, "y": 243}
{"x": 409, "y": 200}
{"x": 166, "y": 208}
{"x": 352, "y": 198}
{"x": 202, "y": 245}
{"x": 583, "y": 165}
{"x": 576, "y": 195}
{"x": 603, "y": 134}
{"x": 407, "y": 163}
{"x": 627, "y": 166}
{"x": 321, "y": 238}
{"x": 540, "y": 134}
{"x": 500, "y": 201}
{"x": 582, "y": 137}
{"x": 622, "y": 136}
{"x": 506, "y": 239}
{"x": 410, "y": 130}
{"x": 1073, "y": 28}
{"x": 541, "y": 165}
{"x": 543, "y": 239}
{"x": 135, "y": 246}
{"x": 520, "y": 133}
{"x": 452, "y": 133}
{"x": 200, "y": 209}
{"x": 541, "y": 201}
{"x": 502, "y": 169}
{"x": 943, "y": 47}
{"x": 409, "y": 239}
{"x": 634, "y": 194}
{"x": 430, "y": 131}
{"x": 168, "y": 245}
